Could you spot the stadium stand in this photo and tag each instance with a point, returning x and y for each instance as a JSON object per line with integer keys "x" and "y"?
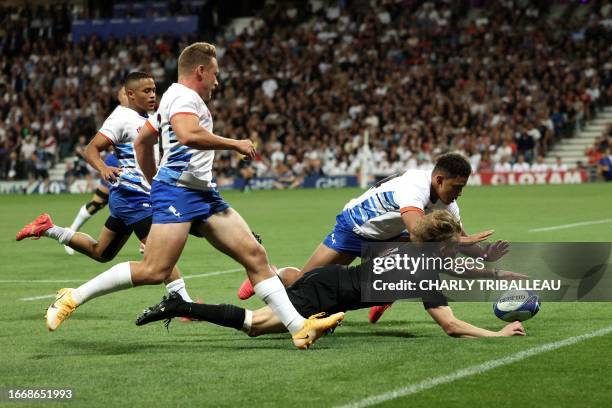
{"x": 305, "y": 83}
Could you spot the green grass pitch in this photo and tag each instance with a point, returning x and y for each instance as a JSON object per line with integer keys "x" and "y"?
{"x": 109, "y": 361}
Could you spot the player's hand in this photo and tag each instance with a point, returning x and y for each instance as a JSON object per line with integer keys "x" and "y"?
{"x": 475, "y": 238}
{"x": 509, "y": 275}
{"x": 110, "y": 174}
{"x": 496, "y": 250}
{"x": 246, "y": 147}
{"x": 513, "y": 329}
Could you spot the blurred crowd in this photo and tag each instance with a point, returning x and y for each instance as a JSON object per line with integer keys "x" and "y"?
{"x": 501, "y": 84}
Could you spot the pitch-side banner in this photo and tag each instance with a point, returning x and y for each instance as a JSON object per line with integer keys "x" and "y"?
{"x": 568, "y": 271}
{"x": 550, "y": 177}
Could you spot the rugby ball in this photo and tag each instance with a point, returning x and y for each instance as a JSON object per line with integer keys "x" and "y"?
{"x": 516, "y": 305}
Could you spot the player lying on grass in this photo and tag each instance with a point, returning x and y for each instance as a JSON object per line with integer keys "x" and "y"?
{"x": 335, "y": 288}
{"x": 100, "y": 197}
{"x": 390, "y": 211}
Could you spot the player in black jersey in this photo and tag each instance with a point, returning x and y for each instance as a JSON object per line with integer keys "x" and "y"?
{"x": 331, "y": 289}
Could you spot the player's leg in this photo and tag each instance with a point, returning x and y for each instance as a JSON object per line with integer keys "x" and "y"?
{"x": 338, "y": 248}
{"x": 324, "y": 255}
{"x": 112, "y": 238}
{"x": 254, "y": 323}
{"x": 165, "y": 243}
{"x": 316, "y": 292}
{"x": 175, "y": 282}
{"x": 228, "y": 232}
{"x": 97, "y": 202}
{"x": 222, "y": 315}
{"x": 288, "y": 275}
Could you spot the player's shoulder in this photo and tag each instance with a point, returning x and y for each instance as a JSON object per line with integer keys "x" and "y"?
{"x": 177, "y": 90}
{"x": 180, "y": 98}
{"x": 117, "y": 113}
{"x": 416, "y": 177}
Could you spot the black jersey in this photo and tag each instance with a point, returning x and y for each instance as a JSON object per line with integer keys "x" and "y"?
{"x": 337, "y": 288}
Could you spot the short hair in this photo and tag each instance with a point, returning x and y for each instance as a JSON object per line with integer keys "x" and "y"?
{"x": 437, "y": 226}
{"x": 135, "y": 76}
{"x": 453, "y": 165}
{"x": 199, "y": 53}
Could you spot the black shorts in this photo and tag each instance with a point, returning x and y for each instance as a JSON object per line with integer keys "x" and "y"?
{"x": 140, "y": 228}
{"x": 41, "y": 173}
{"x": 330, "y": 289}
{"x": 337, "y": 288}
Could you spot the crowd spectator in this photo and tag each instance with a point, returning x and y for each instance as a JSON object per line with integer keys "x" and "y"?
{"x": 419, "y": 76}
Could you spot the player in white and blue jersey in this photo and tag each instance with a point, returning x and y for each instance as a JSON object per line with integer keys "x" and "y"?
{"x": 390, "y": 210}
{"x": 100, "y": 197}
{"x": 185, "y": 201}
{"x": 130, "y": 203}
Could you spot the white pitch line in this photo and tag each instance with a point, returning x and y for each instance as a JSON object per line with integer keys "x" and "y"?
{"x": 474, "y": 370}
{"x": 26, "y": 299}
{"x": 575, "y": 224}
{"x": 40, "y": 281}
{"x": 202, "y": 275}
{"x": 37, "y": 297}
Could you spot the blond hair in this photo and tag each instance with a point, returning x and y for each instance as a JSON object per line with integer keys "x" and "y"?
{"x": 199, "y": 53}
{"x": 437, "y": 226}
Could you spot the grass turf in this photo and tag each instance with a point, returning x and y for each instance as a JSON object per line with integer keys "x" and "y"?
{"x": 109, "y": 361}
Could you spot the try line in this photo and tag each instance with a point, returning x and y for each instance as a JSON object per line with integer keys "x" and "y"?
{"x": 474, "y": 370}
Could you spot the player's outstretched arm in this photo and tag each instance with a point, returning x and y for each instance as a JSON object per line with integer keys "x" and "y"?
{"x": 144, "y": 148}
{"x": 92, "y": 154}
{"x": 189, "y": 133}
{"x": 443, "y": 315}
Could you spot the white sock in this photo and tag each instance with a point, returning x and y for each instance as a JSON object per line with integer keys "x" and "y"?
{"x": 117, "y": 278}
{"x": 178, "y": 286}
{"x": 63, "y": 235}
{"x": 80, "y": 219}
{"x": 272, "y": 292}
{"x": 248, "y": 321}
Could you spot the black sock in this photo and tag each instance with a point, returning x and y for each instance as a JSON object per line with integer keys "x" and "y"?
{"x": 222, "y": 315}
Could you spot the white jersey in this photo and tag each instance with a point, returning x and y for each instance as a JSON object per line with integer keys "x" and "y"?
{"x": 377, "y": 213}
{"x": 182, "y": 165}
{"x": 121, "y": 129}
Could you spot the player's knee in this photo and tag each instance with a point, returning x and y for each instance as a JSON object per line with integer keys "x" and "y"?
{"x": 103, "y": 259}
{"x": 101, "y": 255}
{"x": 154, "y": 274}
{"x": 255, "y": 255}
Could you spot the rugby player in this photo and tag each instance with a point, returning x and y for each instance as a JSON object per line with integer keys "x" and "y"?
{"x": 100, "y": 197}
{"x": 185, "y": 200}
{"x": 130, "y": 202}
{"x": 390, "y": 210}
{"x": 333, "y": 289}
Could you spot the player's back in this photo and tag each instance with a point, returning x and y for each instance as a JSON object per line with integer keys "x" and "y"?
{"x": 182, "y": 165}
{"x": 377, "y": 213}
